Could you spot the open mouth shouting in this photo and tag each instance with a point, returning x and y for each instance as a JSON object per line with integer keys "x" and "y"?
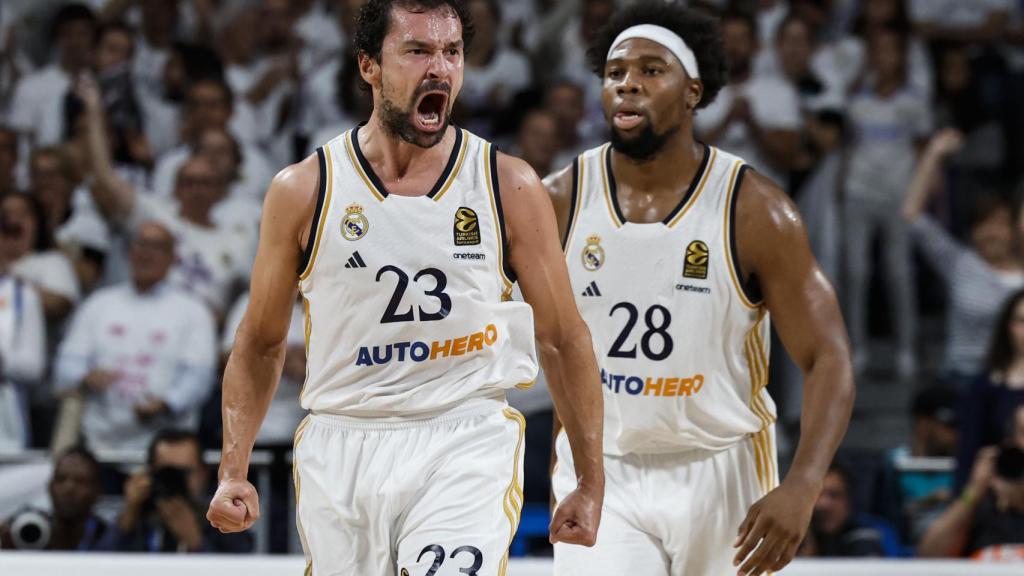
{"x": 430, "y": 112}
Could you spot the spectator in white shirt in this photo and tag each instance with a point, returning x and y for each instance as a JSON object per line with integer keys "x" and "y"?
{"x": 889, "y": 121}
{"x": 565, "y": 100}
{"x": 143, "y": 352}
{"x": 27, "y": 251}
{"x": 52, "y": 179}
{"x": 754, "y": 117}
{"x": 494, "y": 72}
{"x": 209, "y": 105}
{"x": 37, "y": 108}
{"x": 210, "y": 258}
{"x": 22, "y": 357}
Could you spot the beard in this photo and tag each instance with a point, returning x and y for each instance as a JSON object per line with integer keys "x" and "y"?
{"x": 398, "y": 122}
{"x": 645, "y": 145}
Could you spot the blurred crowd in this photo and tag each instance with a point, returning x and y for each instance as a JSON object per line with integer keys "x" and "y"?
{"x": 137, "y": 138}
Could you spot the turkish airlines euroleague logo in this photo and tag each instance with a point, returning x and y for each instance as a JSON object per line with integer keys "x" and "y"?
{"x": 696, "y": 265}
{"x": 466, "y": 228}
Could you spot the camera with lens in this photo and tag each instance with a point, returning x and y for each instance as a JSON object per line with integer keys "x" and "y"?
{"x": 1010, "y": 463}
{"x": 30, "y": 530}
{"x": 169, "y": 482}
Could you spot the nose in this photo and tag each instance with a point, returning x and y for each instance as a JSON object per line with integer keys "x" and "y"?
{"x": 629, "y": 84}
{"x": 438, "y": 68}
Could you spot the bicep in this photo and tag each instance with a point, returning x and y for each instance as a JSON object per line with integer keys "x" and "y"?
{"x": 561, "y": 188}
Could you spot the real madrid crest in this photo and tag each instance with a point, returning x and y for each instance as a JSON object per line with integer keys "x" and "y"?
{"x": 593, "y": 254}
{"x": 354, "y": 225}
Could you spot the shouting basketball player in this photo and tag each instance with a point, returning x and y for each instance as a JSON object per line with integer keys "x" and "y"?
{"x": 678, "y": 253}
{"x": 404, "y": 236}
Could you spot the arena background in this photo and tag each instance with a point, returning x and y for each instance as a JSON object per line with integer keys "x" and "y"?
{"x": 896, "y": 126}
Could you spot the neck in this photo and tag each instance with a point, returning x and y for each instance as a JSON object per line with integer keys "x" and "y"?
{"x": 674, "y": 165}
{"x": 144, "y": 286}
{"x": 740, "y": 74}
{"x": 196, "y": 215}
{"x": 890, "y": 85}
{"x": 391, "y": 156}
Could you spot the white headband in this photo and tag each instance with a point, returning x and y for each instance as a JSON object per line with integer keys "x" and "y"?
{"x": 666, "y": 38}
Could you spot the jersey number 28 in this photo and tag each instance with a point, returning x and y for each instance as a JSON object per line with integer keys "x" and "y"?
{"x": 660, "y": 329}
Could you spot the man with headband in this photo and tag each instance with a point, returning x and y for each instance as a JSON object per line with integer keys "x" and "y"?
{"x": 678, "y": 255}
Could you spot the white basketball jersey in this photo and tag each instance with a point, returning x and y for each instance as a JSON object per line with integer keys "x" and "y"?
{"x": 683, "y": 349}
{"x": 407, "y": 298}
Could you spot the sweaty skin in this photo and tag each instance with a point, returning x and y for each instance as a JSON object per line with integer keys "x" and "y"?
{"x": 773, "y": 247}
{"x": 420, "y": 47}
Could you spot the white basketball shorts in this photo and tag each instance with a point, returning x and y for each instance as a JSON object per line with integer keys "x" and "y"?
{"x": 437, "y": 497}
{"x": 669, "y": 514}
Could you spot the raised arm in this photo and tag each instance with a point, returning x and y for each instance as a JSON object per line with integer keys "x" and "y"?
{"x": 566, "y": 351}
{"x": 773, "y": 248}
{"x": 922, "y": 184}
{"x": 254, "y": 367}
{"x": 114, "y": 195}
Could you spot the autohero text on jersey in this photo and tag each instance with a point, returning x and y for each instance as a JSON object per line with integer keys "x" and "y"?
{"x": 637, "y": 386}
{"x": 423, "y": 351}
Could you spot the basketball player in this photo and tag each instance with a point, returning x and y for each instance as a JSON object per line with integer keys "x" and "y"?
{"x": 404, "y": 236}
{"x": 678, "y": 253}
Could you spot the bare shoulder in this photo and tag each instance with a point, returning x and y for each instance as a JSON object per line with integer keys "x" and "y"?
{"x": 763, "y": 207}
{"x": 768, "y": 223}
{"x": 292, "y": 197}
{"x": 523, "y": 196}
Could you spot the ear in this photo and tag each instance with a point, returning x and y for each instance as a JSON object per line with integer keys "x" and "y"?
{"x": 694, "y": 94}
{"x": 369, "y": 70}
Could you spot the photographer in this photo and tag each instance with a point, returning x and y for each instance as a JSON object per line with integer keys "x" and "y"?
{"x": 987, "y": 521}
{"x": 74, "y": 490}
{"x": 165, "y": 503}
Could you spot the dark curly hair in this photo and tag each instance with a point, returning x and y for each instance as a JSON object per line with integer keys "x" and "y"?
{"x": 375, "y": 20}
{"x": 701, "y": 33}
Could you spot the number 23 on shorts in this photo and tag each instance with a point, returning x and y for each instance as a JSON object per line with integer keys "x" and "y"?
{"x": 461, "y": 553}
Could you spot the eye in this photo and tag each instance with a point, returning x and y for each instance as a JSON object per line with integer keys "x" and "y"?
{"x": 614, "y": 73}
{"x": 453, "y": 51}
{"x": 652, "y": 71}
{"x": 417, "y": 51}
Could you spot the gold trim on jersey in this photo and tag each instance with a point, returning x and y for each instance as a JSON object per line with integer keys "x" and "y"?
{"x": 578, "y": 191}
{"x": 329, "y": 176}
{"x": 700, "y": 188}
{"x": 728, "y": 250}
{"x": 296, "y": 480}
{"x": 463, "y": 146}
{"x": 486, "y": 151}
{"x": 757, "y": 361}
{"x": 307, "y": 326}
{"x": 359, "y": 167}
{"x": 513, "y": 503}
{"x": 526, "y": 385}
{"x": 607, "y": 188}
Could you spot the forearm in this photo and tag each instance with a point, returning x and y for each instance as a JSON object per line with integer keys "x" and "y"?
{"x": 250, "y": 380}
{"x": 572, "y": 376}
{"x": 113, "y": 195}
{"x": 827, "y": 405}
{"x": 947, "y": 536}
{"x": 921, "y": 185}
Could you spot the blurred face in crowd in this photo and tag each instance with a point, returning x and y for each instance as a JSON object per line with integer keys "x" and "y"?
{"x": 644, "y": 97}
{"x": 74, "y": 488}
{"x": 794, "y": 47}
{"x": 538, "y": 140}
{"x": 833, "y": 506}
{"x": 596, "y": 14}
{"x": 220, "y": 149}
{"x": 151, "y": 254}
{"x": 486, "y": 22}
{"x": 75, "y": 42}
{"x": 184, "y": 454}
{"x": 419, "y": 74}
{"x": 19, "y": 228}
{"x": 199, "y": 187}
{"x": 114, "y": 47}
{"x": 740, "y": 45}
{"x": 159, "y": 21}
{"x": 565, "y": 103}
{"x": 887, "y": 55}
{"x": 993, "y": 236}
{"x": 955, "y": 71}
{"x": 52, "y": 185}
{"x": 8, "y": 158}
{"x": 275, "y": 24}
{"x": 208, "y": 106}
{"x": 936, "y": 439}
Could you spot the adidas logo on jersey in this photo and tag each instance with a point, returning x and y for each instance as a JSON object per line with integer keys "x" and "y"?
{"x": 356, "y": 261}
{"x": 592, "y": 290}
